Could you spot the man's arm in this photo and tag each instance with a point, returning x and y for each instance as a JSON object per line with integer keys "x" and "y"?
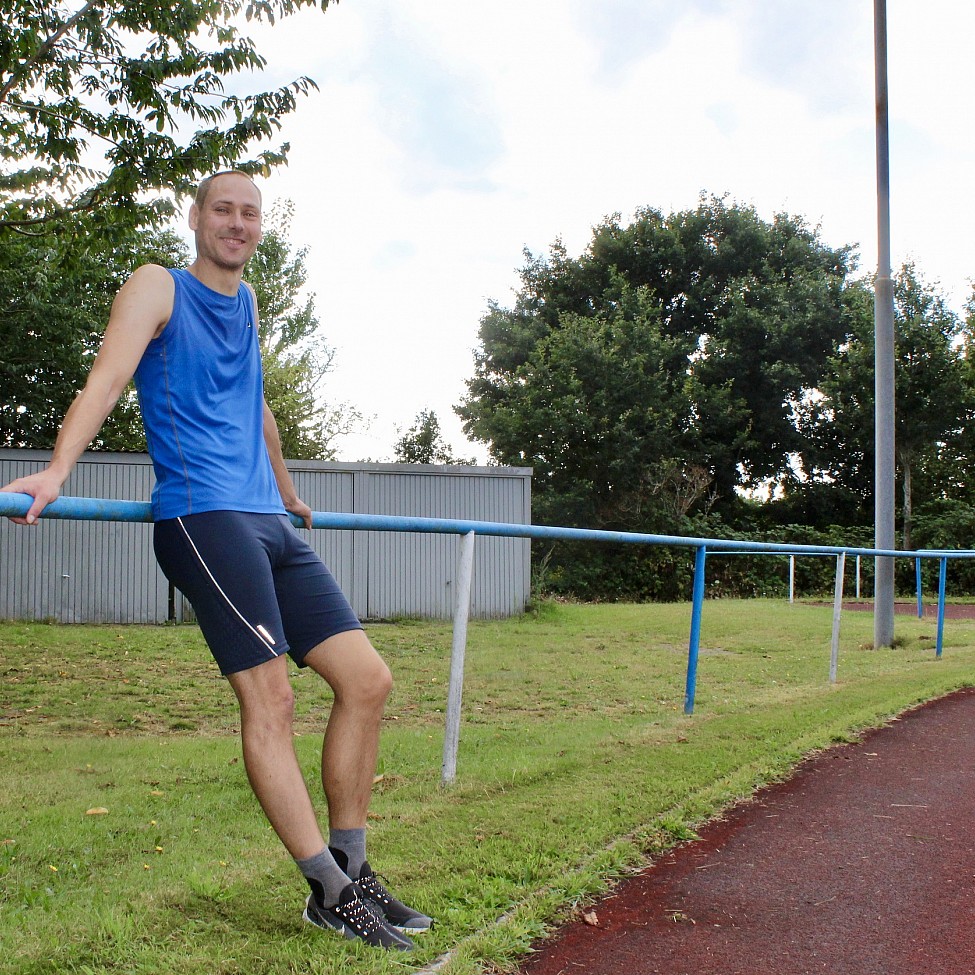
{"x": 139, "y": 313}
{"x": 282, "y": 475}
{"x": 272, "y": 440}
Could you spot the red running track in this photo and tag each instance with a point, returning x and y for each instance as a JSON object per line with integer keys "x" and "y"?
{"x": 863, "y": 863}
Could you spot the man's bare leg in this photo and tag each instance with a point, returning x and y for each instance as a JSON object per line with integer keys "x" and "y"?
{"x": 361, "y": 682}
{"x": 267, "y": 735}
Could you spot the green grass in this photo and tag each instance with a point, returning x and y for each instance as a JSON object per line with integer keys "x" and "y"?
{"x": 576, "y": 763}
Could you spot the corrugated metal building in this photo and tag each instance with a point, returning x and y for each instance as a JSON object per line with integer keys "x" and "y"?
{"x": 75, "y": 571}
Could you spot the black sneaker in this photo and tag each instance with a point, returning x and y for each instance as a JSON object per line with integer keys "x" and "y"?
{"x": 396, "y": 913}
{"x": 355, "y": 917}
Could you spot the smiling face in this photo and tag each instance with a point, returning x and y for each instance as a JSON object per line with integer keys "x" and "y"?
{"x": 226, "y": 219}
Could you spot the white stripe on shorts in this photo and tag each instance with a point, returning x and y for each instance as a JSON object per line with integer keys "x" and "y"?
{"x": 259, "y": 631}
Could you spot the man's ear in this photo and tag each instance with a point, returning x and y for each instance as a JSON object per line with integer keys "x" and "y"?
{"x": 194, "y": 216}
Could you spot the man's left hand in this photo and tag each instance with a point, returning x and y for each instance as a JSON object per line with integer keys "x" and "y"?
{"x": 299, "y": 508}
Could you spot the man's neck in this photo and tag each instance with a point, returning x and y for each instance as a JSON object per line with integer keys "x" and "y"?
{"x": 221, "y": 280}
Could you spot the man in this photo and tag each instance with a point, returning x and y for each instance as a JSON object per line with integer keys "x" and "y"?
{"x": 222, "y": 537}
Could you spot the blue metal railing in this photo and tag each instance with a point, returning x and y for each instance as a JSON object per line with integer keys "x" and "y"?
{"x": 96, "y": 509}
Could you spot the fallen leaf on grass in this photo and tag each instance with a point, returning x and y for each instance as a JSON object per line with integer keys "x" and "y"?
{"x": 97, "y": 811}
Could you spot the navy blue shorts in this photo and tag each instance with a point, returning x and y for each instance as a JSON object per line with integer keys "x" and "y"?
{"x": 257, "y": 588}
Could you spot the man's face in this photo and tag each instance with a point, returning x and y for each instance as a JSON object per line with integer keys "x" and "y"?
{"x": 228, "y": 225}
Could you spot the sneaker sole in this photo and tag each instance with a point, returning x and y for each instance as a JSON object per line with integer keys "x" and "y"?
{"x": 406, "y": 929}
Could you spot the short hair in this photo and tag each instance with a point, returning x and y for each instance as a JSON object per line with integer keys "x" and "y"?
{"x": 204, "y": 187}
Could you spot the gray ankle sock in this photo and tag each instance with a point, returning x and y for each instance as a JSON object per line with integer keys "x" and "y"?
{"x": 325, "y": 877}
{"x": 350, "y": 845}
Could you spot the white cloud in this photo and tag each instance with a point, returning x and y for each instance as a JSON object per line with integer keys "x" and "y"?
{"x": 446, "y": 137}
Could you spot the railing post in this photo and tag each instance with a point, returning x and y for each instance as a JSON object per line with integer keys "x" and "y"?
{"x": 792, "y": 578}
{"x": 917, "y": 582}
{"x": 690, "y": 686}
{"x": 837, "y": 610}
{"x": 942, "y": 577}
{"x": 455, "y": 692}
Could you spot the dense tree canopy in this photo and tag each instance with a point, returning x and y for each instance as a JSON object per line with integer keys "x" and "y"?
{"x": 934, "y": 400}
{"x": 686, "y": 366}
{"x": 104, "y": 103}
{"x": 598, "y": 407}
{"x": 678, "y": 343}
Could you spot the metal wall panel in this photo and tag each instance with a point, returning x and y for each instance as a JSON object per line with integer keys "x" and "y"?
{"x": 74, "y": 571}
{"x": 82, "y": 571}
{"x": 414, "y": 574}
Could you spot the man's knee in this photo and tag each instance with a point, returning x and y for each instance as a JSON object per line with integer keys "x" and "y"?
{"x": 366, "y": 686}
{"x": 353, "y": 669}
{"x": 279, "y": 704}
{"x": 383, "y": 681}
{"x": 265, "y": 704}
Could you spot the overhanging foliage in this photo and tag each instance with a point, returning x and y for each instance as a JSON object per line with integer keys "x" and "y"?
{"x": 105, "y": 105}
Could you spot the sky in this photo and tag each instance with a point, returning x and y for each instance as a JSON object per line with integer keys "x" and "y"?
{"x": 447, "y": 137}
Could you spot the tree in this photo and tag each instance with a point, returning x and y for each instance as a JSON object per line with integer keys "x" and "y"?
{"x": 951, "y": 475}
{"x": 56, "y": 292}
{"x": 94, "y": 99}
{"x": 933, "y": 394}
{"x": 934, "y": 398}
{"x": 423, "y": 443}
{"x": 683, "y": 340}
{"x": 600, "y": 407}
{"x": 295, "y": 356}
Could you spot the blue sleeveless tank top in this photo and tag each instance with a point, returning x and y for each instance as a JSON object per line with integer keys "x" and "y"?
{"x": 201, "y": 390}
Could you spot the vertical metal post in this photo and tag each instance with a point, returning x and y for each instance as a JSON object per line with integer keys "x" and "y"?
{"x": 858, "y": 578}
{"x": 792, "y": 578}
{"x": 942, "y": 577}
{"x": 837, "y": 610}
{"x": 883, "y": 625}
{"x": 462, "y": 609}
{"x": 917, "y": 583}
{"x": 690, "y": 686}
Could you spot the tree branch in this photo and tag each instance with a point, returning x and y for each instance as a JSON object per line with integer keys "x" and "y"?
{"x": 44, "y": 49}
{"x": 51, "y": 113}
{"x": 89, "y": 202}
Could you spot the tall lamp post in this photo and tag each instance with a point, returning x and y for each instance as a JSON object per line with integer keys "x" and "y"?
{"x": 883, "y": 623}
